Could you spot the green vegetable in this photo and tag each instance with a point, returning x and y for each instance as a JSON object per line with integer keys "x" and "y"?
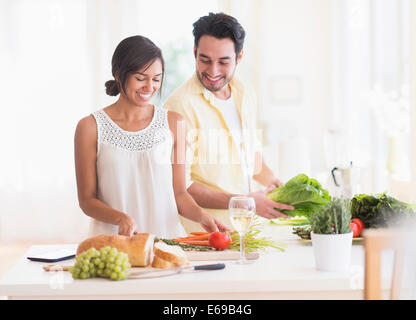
{"x": 298, "y": 221}
{"x": 333, "y": 218}
{"x": 381, "y": 210}
{"x": 186, "y": 247}
{"x": 303, "y": 232}
{"x": 305, "y": 194}
{"x": 253, "y": 243}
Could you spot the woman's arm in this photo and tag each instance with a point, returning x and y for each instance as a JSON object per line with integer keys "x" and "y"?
{"x": 187, "y": 206}
{"x": 86, "y": 176}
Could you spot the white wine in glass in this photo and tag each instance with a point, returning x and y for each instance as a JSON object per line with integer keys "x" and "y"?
{"x": 241, "y": 211}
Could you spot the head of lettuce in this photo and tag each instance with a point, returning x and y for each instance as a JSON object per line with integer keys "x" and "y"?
{"x": 305, "y": 194}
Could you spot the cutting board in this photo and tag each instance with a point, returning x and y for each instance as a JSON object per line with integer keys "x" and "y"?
{"x": 219, "y": 255}
{"x": 192, "y": 256}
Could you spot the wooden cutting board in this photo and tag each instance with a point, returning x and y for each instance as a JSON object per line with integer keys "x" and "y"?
{"x": 219, "y": 255}
{"x": 192, "y": 256}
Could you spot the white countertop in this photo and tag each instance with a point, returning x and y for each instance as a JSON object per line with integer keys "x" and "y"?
{"x": 275, "y": 275}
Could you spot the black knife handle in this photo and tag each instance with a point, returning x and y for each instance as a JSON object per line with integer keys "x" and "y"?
{"x": 216, "y": 266}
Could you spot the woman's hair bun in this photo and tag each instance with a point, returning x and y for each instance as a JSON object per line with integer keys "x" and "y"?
{"x": 111, "y": 88}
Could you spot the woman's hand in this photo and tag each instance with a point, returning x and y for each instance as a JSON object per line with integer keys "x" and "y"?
{"x": 210, "y": 224}
{"x": 127, "y": 226}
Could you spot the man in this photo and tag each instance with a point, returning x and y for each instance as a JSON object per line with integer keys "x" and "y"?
{"x": 223, "y": 153}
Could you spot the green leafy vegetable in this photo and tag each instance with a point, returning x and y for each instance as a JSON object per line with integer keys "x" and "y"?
{"x": 305, "y": 194}
{"x": 333, "y": 218}
{"x": 381, "y": 210}
{"x": 253, "y": 242}
{"x": 186, "y": 247}
{"x": 304, "y": 232}
{"x": 296, "y": 221}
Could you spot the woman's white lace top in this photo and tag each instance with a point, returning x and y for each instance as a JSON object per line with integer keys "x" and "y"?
{"x": 134, "y": 175}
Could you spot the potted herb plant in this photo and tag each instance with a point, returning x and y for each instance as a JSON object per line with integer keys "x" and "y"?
{"x": 332, "y": 236}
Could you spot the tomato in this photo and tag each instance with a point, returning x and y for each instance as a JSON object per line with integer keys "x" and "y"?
{"x": 360, "y": 224}
{"x": 355, "y": 228}
{"x": 219, "y": 240}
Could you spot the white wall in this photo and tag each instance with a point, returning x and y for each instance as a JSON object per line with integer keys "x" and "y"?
{"x": 289, "y": 41}
{"x": 55, "y": 57}
{"x": 412, "y": 38}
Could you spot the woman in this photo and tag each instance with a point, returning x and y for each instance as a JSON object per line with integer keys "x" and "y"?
{"x": 129, "y": 156}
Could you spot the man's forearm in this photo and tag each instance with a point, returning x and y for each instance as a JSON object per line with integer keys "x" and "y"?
{"x": 208, "y": 198}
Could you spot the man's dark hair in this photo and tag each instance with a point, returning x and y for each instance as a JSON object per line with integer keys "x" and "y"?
{"x": 220, "y": 26}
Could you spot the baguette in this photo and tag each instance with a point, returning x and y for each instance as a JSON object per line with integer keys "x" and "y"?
{"x": 162, "y": 264}
{"x": 138, "y": 247}
{"x": 172, "y": 254}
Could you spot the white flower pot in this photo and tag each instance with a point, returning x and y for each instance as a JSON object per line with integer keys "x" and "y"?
{"x": 332, "y": 251}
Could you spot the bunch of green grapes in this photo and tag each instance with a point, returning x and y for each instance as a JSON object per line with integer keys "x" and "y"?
{"x": 106, "y": 262}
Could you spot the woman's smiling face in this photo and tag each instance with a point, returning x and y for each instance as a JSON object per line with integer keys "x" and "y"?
{"x": 143, "y": 84}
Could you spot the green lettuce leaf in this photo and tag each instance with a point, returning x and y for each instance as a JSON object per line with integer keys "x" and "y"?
{"x": 304, "y": 193}
{"x": 381, "y": 210}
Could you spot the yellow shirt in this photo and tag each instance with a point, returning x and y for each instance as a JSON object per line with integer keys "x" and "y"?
{"x": 212, "y": 158}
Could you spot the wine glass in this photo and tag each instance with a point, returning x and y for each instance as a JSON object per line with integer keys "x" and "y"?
{"x": 241, "y": 210}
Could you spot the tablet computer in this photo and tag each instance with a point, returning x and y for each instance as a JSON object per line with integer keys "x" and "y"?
{"x": 54, "y": 256}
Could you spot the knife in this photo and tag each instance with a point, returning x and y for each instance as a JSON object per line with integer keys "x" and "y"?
{"x": 172, "y": 271}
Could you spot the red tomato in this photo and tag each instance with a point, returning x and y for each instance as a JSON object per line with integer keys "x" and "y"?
{"x": 360, "y": 224}
{"x": 355, "y": 228}
{"x": 219, "y": 240}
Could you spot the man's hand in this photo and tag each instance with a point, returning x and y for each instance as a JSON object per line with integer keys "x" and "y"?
{"x": 266, "y": 207}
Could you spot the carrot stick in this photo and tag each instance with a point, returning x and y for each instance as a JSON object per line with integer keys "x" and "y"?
{"x": 195, "y": 242}
{"x": 201, "y": 237}
{"x": 199, "y": 233}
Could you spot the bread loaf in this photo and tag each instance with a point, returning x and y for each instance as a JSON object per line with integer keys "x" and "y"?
{"x": 138, "y": 247}
{"x": 174, "y": 255}
{"x": 162, "y": 264}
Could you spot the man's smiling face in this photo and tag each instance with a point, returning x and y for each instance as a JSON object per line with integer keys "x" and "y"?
{"x": 216, "y": 63}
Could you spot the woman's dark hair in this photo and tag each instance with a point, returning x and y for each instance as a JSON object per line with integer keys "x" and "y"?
{"x": 132, "y": 54}
{"x": 220, "y": 25}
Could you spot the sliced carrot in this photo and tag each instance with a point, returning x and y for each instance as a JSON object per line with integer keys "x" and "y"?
{"x": 201, "y": 237}
{"x": 196, "y": 242}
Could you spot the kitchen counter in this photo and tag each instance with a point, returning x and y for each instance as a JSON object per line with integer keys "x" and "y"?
{"x": 275, "y": 275}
